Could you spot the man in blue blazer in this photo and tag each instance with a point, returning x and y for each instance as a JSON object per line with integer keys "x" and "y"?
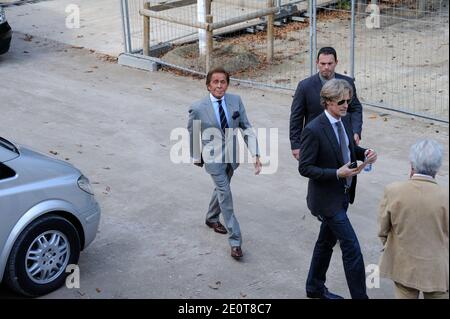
{"x": 329, "y": 159}
{"x": 306, "y": 104}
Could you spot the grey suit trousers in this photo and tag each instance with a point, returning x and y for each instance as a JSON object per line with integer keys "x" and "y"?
{"x": 222, "y": 202}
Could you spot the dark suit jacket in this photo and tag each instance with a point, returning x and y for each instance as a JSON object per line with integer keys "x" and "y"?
{"x": 320, "y": 157}
{"x": 306, "y": 106}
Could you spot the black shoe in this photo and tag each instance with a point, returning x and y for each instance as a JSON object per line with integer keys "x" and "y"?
{"x": 324, "y": 295}
{"x": 217, "y": 226}
{"x": 236, "y": 252}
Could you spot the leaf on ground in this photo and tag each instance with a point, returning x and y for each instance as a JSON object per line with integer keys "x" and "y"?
{"x": 207, "y": 253}
{"x": 215, "y": 286}
{"x": 107, "y": 58}
{"x": 28, "y": 37}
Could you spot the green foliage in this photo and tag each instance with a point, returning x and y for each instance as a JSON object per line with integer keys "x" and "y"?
{"x": 344, "y": 5}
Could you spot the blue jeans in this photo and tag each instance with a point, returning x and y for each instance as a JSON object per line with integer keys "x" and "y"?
{"x": 337, "y": 227}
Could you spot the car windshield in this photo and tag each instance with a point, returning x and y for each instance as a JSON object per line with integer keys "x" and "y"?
{"x": 8, "y": 145}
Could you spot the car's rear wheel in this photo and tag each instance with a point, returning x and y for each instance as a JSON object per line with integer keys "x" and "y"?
{"x": 39, "y": 258}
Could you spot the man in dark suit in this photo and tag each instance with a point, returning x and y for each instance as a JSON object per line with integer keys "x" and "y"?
{"x": 328, "y": 152}
{"x": 306, "y": 104}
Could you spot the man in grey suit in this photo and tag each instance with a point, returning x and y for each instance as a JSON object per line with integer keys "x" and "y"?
{"x": 213, "y": 123}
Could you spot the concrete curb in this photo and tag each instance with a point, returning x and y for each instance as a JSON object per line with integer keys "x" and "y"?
{"x": 139, "y": 62}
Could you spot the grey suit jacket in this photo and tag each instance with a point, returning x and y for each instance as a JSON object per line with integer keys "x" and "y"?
{"x": 207, "y": 141}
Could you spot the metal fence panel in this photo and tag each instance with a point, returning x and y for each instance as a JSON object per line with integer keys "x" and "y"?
{"x": 290, "y": 45}
{"x": 399, "y": 61}
{"x": 401, "y": 53}
{"x": 403, "y": 64}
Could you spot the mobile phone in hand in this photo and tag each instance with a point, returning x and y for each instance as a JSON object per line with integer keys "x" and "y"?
{"x": 353, "y": 165}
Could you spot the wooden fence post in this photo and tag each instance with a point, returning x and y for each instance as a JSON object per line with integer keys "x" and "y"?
{"x": 209, "y": 44}
{"x": 146, "y": 40}
{"x": 270, "y": 19}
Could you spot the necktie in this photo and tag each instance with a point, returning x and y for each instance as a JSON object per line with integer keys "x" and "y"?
{"x": 344, "y": 148}
{"x": 223, "y": 118}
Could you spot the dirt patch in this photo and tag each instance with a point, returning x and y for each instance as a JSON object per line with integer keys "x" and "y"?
{"x": 245, "y": 54}
{"x": 236, "y": 57}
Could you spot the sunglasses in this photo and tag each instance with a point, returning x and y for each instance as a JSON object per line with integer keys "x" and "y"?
{"x": 344, "y": 101}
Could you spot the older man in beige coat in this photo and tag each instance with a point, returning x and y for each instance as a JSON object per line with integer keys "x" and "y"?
{"x": 414, "y": 222}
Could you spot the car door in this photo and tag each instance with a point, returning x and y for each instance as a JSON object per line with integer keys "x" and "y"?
{"x": 7, "y": 219}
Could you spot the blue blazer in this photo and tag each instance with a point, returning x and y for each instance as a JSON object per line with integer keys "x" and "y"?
{"x": 320, "y": 157}
{"x": 306, "y": 106}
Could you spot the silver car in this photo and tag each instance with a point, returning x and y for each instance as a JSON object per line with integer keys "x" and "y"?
{"x": 48, "y": 214}
{"x": 5, "y": 32}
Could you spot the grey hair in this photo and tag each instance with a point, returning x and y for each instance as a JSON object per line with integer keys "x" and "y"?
{"x": 426, "y": 157}
{"x": 333, "y": 90}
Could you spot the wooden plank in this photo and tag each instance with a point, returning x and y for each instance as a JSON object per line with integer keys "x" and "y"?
{"x": 244, "y": 18}
{"x": 156, "y": 15}
{"x": 172, "y": 5}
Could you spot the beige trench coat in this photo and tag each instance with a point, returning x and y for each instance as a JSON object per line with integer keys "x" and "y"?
{"x": 414, "y": 222}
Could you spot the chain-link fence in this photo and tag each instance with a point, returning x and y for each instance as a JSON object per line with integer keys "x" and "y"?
{"x": 401, "y": 52}
{"x": 397, "y": 50}
{"x": 402, "y": 63}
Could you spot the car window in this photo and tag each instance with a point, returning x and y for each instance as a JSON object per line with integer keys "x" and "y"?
{"x": 6, "y": 172}
{"x": 2, "y": 15}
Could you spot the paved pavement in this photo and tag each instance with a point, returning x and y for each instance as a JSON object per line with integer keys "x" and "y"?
{"x": 114, "y": 123}
{"x": 100, "y": 23}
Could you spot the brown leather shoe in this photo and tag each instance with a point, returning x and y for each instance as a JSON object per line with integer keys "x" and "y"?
{"x": 236, "y": 252}
{"x": 217, "y": 226}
